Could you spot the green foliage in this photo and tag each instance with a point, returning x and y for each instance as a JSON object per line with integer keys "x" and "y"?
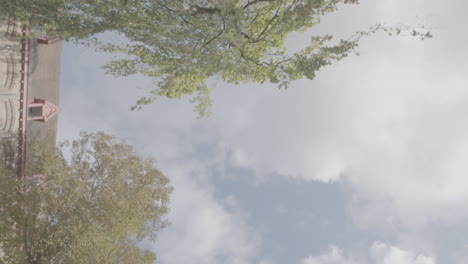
{"x": 183, "y": 43}
{"x": 94, "y": 207}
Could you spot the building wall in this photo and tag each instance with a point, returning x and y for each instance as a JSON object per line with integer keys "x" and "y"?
{"x": 43, "y": 83}
{"x": 10, "y": 77}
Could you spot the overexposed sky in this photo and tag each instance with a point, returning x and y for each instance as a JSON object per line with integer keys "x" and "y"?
{"x": 364, "y": 164}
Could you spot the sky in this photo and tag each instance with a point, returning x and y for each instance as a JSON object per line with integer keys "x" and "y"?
{"x": 364, "y": 164}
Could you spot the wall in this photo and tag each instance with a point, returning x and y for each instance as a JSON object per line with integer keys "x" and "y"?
{"x": 10, "y": 76}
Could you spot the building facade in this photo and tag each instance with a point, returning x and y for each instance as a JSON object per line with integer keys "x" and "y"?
{"x": 29, "y": 92}
{"x": 10, "y": 90}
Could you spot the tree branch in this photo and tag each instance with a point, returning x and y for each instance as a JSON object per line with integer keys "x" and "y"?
{"x": 267, "y": 26}
{"x": 215, "y": 37}
{"x": 269, "y": 23}
{"x": 204, "y": 10}
{"x": 173, "y": 11}
{"x": 254, "y": 2}
{"x": 250, "y": 59}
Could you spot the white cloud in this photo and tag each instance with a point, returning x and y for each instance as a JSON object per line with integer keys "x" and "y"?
{"x": 385, "y": 254}
{"x": 379, "y": 253}
{"x": 391, "y": 123}
{"x": 202, "y": 229}
{"x": 334, "y": 256}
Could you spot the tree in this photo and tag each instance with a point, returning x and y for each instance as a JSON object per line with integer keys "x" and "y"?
{"x": 182, "y": 43}
{"x": 94, "y": 207}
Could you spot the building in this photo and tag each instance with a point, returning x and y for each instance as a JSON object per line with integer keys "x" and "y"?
{"x": 29, "y": 92}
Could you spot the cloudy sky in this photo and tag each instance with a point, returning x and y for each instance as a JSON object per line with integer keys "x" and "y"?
{"x": 364, "y": 164}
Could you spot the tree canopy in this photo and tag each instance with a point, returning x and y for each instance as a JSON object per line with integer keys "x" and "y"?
{"x": 93, "y": 207}
{"x": 183, "y": 43}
